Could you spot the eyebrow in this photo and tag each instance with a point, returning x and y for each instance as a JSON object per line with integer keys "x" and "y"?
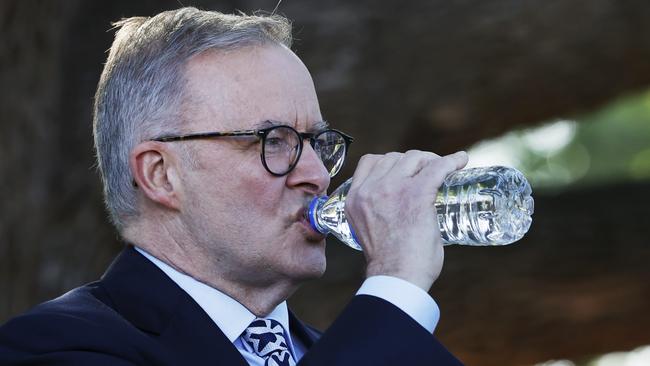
{"x": 314, "y": 127}
{"x": 320, "y": 126}
{"x": 266, "y": 124}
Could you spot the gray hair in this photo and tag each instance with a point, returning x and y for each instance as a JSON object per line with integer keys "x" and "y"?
{"x": 140, "y": 92}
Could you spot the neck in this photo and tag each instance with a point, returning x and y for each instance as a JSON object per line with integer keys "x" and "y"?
{"x": 260, "y": 298}
{"x": 259, "y": 301}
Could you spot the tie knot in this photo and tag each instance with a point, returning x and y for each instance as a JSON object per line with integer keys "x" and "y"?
{"x": 266, "y": 338}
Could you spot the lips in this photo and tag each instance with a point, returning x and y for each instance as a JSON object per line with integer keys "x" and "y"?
{"x": 303, "y": 212}
{"x": 302, "y": 219}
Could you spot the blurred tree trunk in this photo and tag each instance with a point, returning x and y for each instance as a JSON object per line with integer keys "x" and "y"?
{"x": 438, "y": 75}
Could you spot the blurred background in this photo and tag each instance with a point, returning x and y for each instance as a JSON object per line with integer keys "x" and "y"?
{"x": 558, "y": 89}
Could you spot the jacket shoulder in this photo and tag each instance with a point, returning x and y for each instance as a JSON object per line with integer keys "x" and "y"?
{"x": 80, "y": 324}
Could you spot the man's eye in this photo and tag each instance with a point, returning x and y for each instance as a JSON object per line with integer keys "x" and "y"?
{"x": 275, "y": 141}
{"x": 276, "y": 145}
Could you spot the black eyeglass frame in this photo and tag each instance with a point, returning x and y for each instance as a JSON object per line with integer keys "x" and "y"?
{"x": 262, "y": 134}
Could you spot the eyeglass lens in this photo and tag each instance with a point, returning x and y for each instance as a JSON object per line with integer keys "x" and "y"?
{"x": 330, "y": 146}
{"x": 282, "y": 150}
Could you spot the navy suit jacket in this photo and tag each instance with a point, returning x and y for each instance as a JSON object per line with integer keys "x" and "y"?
{"x": 136, "y": 315}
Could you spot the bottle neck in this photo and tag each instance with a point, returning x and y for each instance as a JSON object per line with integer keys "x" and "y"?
{"x": 313, "y": 211}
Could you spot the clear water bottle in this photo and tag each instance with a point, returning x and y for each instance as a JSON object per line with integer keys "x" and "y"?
{"x": 476, "y": 206}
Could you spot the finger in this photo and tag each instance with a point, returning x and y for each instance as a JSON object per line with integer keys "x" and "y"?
{"x": 459, "y": 159}
{"x": 434, "y": 173}
{"x": 365, "y": 166}
{"x": 412, "y": 162}
{"x": 373, "y": 166}
{"x": 384, "y": 166}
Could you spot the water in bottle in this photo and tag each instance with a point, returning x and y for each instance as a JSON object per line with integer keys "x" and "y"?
{"x": 476, "y": 206}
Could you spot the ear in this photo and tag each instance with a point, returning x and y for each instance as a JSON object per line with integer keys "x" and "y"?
{"x": 154, "y": 169}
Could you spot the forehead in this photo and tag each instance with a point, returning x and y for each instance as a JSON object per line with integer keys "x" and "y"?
{"x": 241, "y": 88}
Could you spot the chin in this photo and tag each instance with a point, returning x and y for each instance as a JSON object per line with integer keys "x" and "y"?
{"x": 311, "y": 264}
{"x": 309, "y": 274}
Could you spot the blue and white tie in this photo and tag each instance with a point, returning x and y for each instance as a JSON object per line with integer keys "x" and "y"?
{"x": 266, "y": 337}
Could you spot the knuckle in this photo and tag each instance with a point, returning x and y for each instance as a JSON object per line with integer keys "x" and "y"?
{"x": 421, "y": 153}
{"x": 415, "y": 154}
{"x": 423, "y": 158}
{"x": 367, "y": 156}
{"x": 393, "y": 155}
{"x": 368, "y": 159}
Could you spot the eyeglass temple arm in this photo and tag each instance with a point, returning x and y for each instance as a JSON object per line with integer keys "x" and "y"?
{"x": 196, "y": 136}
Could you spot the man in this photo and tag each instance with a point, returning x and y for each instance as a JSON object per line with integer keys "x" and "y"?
{"x": 210, "y": 140}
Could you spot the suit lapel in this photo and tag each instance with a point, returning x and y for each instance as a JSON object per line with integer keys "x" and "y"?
{"x": 303, "y": 332}
{"x": 196, "y": 340}
{"x": 152, "y": 302}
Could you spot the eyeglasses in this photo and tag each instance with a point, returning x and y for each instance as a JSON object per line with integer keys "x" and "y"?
{"x": 282, "y": 146}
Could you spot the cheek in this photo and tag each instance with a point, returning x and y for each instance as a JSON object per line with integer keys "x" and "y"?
{"x": 262, "y": 195}
{"x": 251, "y": 190}
{"x": 238, "y": 186}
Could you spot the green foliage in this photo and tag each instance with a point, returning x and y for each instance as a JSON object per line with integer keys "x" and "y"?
{"x": 609, "y": 145}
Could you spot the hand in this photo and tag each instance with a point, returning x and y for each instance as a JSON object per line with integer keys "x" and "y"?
{"x": 391, "y": 206}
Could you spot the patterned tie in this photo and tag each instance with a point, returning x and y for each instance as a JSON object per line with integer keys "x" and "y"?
{"x": 266, "y": 337}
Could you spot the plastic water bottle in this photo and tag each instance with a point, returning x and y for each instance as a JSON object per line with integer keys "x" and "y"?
{"x": 476, "y": 206}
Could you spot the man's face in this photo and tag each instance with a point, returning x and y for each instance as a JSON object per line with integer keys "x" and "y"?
{"x": 247, "y": 221}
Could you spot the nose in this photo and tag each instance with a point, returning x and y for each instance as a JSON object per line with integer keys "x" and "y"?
{"x": 310, "y": 173}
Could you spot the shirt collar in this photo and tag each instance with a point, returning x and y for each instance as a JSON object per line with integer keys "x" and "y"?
{"x": 229, "y": 315}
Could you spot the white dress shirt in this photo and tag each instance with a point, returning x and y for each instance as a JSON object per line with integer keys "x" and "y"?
{"x": 233, "y": 318}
